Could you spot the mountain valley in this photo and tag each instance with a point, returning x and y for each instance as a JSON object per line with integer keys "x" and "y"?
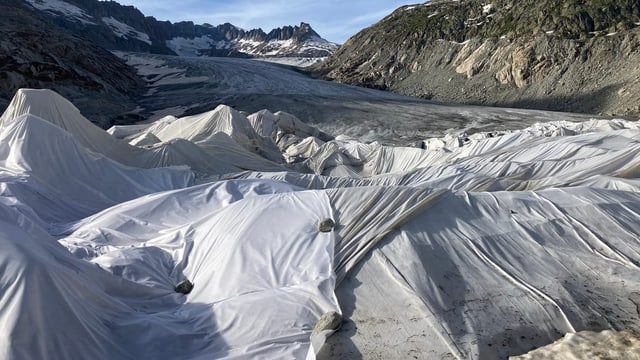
{"x": 184, "y": 191}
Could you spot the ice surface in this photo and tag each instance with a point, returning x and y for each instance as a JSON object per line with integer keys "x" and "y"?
{"x": 190, "y": 47}
{"x": 474, "y": 245}
{"x": 366, "y": 114}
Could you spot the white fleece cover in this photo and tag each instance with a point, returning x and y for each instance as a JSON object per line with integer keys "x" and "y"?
{"x": 484, "y": 249}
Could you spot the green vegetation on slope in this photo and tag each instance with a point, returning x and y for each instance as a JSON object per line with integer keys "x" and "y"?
{"x": 462, "y": 20}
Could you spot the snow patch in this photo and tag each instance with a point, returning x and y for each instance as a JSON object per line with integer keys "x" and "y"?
{"x": 293, "y": 61}
{"x": 278, "y": 46}
{"x": 249, "y": 46}
{"x": 125, "y": 31}
{"x": 59, "y": 7}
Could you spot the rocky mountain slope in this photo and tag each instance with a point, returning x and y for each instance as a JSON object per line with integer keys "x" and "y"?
{"x": 69, "y": 46}
{"x": 569, "y": 55}
{"x": 37, "y": 53}
{"x": 125, "y": 28}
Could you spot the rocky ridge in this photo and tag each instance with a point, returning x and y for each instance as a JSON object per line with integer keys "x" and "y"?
{"x": 69, "y": 46}
{"x": 37, "y": 53}
{"x": 570, "y": 55}
{"x": 124, "y": 28}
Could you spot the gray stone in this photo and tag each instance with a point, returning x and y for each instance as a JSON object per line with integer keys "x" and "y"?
{"x": 326, "y": 225}
{"x": 328, "y": 321}
{"x": 184, "y": 287}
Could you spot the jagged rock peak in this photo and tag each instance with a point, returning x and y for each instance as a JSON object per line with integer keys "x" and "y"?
{"x": 298, "y": 33}
{"x": 125, "y": 28}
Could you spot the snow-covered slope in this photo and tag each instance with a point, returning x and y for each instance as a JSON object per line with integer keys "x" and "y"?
{"x": 125, "y": 31}
{"x": 473, "y": 247}
{"x": 311, "y": 47}
{"x": 62, "y": 8}
{"x": 265, "y": 46}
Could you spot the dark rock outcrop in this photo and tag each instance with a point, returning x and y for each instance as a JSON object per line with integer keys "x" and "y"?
{"x": 36, "y": 53}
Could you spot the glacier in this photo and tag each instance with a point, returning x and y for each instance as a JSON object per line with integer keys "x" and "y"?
{"x": 479, "y": 246}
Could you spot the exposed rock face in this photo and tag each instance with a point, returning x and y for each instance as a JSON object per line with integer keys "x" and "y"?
{"x": 64, "y": 45}
{"x": 578, "y": 56}
{"x": 125, "y": 28}
{"x": 287, "y": 41}
{"x": 36, "y": 53}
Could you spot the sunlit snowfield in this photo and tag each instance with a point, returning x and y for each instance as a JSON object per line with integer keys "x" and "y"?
{"x": 503, "y": 233}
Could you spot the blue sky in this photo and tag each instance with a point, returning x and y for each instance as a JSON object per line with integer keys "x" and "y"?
{"x": 335, "y": 20}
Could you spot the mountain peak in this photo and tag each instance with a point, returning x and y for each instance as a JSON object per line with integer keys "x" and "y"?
{"x": 306, "y": 31}
{"x": 298, "y": 34}
{"x": 125, "y": 28}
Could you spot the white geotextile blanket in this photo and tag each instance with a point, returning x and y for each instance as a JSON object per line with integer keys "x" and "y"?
{"x": 176, "y": 148}
{"x": 488, "y": 275}
{"x": 257, "y": 292}
{"x": 484, "y": 251}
